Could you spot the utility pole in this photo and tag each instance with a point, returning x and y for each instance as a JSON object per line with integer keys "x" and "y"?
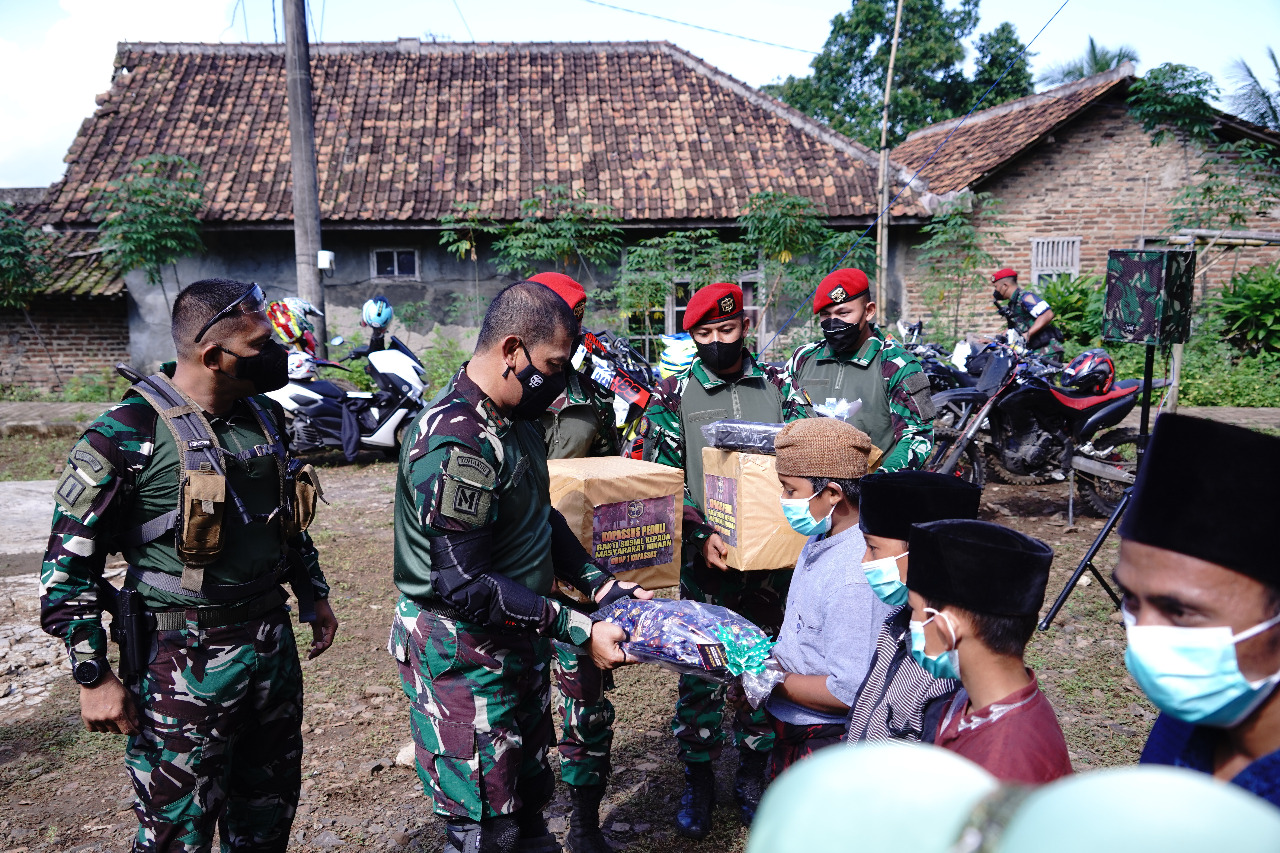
{"x": 302, "y": 154}
{"x": 882, "y": 224}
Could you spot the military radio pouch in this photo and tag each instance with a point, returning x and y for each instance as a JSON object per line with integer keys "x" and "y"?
{"x": 302, "y": 483}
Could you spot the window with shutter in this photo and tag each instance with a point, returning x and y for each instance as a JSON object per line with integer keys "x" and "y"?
{"x": 1054, "y": 256}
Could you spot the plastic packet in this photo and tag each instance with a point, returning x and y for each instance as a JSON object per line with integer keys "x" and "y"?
{"x": 758, "y": 685}
{"x": 689, "y": 637}
{"x": 746, "y": 436}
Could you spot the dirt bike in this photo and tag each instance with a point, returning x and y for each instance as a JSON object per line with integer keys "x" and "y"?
{"x": 1036, "y": 431}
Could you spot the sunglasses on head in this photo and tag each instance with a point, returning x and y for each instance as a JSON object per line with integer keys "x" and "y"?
{"x": 252, "y": 301}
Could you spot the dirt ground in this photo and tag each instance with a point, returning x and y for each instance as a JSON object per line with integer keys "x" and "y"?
{"x": 62, "y": 788}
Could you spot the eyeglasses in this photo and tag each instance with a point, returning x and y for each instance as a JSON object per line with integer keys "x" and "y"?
{"x": 252, "y": 301}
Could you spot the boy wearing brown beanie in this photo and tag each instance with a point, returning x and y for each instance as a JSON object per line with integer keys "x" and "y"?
{"x": 833, "y": 617}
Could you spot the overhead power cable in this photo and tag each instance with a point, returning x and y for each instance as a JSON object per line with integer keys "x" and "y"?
{"x": 699, "y": 27}
{"x": 927, "y": 161}
{"x": 464, "y": 20}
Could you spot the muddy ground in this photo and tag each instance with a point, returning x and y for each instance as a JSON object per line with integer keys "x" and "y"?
{"x": 62, "y": 788}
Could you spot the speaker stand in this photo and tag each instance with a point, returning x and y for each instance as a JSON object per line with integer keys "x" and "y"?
{"x": 1144, "y": 424}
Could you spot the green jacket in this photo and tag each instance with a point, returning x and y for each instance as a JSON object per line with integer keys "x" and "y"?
{"x": 580, "y": 423}
{"x": 906, "y": 435}
{"x": 695, "y": 396}
{"x": 464, "y": 467}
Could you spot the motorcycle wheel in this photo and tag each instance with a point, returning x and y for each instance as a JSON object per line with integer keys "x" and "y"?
{"x": 969, "y": 469}
{"x": 1118, "y": 447}
{"x": 1004, "y": 475}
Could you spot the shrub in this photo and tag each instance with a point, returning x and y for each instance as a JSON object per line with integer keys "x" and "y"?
{"x": 104, "y": 386}
{"x": 1077, "y": 303}
{"x": 1246, "y": 313}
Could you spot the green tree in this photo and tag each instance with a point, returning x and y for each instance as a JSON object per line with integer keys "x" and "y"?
{"x": 781, "y": 228}
{"x": 1236, "y": 181}
{"x": 846, "y": 88}
{"x": 461, "y": 238}
{"x": 996, "y": 50}
{"x": 561, "y": 227}
{"x": 654, "y": 265}
{"x": 24, "y": 269}
{"x": 1252, "y": 100}
{"x": 151, "y": 216}
{"x": 954, "y": 256}
{"x": 1096, "y": 59}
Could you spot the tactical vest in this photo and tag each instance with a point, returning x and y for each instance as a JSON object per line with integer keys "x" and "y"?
{"x": 751, "y": 398}
{"x": 200, "y": 520}
{"x": 842, "y": 380}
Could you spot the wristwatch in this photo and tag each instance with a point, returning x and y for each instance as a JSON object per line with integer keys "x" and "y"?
{"x": 89, "y": 672}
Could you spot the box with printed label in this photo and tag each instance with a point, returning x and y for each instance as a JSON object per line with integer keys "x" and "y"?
{"x": 742, "y": 504}
{"x": 625, "y": 512}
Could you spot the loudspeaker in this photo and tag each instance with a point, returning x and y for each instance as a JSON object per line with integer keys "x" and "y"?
{"x": 1148, "y": 296}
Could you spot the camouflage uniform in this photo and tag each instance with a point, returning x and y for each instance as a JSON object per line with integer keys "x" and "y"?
{"x": 221, "y": 707}
{"x": 897, "y": 407}
{"x": 680, "y": 405}
{"x": 581, "y": 423}
{"x": 1024, "y": 307}
{"x": 477, "y": 546}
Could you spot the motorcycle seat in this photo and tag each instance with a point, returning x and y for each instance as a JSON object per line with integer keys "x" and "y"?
{"x": 326, "y": 388}
{"x": 1084, "y": 400}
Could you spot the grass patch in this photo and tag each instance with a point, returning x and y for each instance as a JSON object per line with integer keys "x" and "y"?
{"x": 30, "y": 457}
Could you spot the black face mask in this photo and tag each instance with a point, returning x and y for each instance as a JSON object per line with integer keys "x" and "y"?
{"x": 995, "y": 296}
{"x": 268, "y": 369}
{"x": 719, "y": 356}
{"x": 540, "y": 390}
{"x": 841, "y": 335}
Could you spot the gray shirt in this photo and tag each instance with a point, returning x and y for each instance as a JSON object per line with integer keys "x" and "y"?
{"x": 832, "y": 621}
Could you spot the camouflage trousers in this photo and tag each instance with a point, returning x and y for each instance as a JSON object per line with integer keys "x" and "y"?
{"x": 480, "y": 713}
{"x": 220, "y": 738}
{"x": 698, "y": 721}
{"x": 587, "y": 717}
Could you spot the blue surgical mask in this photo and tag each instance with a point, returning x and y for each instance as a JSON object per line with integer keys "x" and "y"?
{"x": 885, "y": 580}
{"x": 942, "y": 665}
{"x": 1192, "y": 674}
{"x": 801, "y": 520}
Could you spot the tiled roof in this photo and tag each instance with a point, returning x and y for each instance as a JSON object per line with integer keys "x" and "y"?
{"x": 991, "y": 138}
{"x": 79, "y": 269}
{"x": 404, "y": 130}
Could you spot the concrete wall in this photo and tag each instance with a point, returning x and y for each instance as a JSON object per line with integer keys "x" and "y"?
{"x": 1098, "y": 178}
{"x": 85, "y": 337}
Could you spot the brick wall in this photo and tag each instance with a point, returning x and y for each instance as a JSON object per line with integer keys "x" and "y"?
{"x": 84, "y": 336}
{"x": 1100, "y": 179}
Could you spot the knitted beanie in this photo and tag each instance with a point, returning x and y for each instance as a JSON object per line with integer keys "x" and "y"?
{"x": 822, "y": 447}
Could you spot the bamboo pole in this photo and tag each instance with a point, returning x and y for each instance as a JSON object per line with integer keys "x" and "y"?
{"x": 882, "y": 224}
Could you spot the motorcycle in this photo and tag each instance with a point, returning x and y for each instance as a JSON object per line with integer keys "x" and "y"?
{"x": 944, "y": 369}
{"x": 323, "y": 416}
{"x": 1036, "y": 430}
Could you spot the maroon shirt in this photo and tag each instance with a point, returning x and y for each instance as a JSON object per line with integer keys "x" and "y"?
{"x": 1017, "y": 739}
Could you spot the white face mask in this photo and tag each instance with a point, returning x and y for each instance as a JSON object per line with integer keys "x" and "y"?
{"x": 1192, "y": 674}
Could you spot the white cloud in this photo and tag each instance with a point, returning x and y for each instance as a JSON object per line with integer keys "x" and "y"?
{"x": 51, "y": 81}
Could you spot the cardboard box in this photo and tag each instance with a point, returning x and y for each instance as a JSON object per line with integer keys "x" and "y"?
{"x": 625, "y": 512}
{"x": 743, "y": 505}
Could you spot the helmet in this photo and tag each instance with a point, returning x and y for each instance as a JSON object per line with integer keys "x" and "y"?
{"x": 301, "y": 365}
{"x": 1092, "y": 371}
{"x": 289, "y": 318}
{"x": 377, "y": 312}
{"x": 302, "y": 309}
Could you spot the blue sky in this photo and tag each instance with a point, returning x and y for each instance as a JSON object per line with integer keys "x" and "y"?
{"x": 57, "y": 55}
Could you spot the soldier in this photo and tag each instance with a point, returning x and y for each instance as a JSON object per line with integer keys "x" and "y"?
{"x": 1201, "y": 610}
{"x": 477, "y": 546}
{"x": 212, "y": 699}
{"x": 1030, "y": 315}
{"x": 581, "y": 423}
{"x": 855, "y": 363}
{"x": 723, "y": 381}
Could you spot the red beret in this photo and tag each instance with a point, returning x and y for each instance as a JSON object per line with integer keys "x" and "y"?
{"x": 570, "y": 291}
{"x": 840, "y": 286}
{"x": 713, "y": 303}
{"x": 1004, "y": 273}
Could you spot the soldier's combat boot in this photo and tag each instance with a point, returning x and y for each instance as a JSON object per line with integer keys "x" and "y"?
{"x": 698, "y": 800}
{"x": 584, "y": 821}
{"x": 495, "y": 835}
{"x": 748, "y": 782}
{"x": 534, "y": 835}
